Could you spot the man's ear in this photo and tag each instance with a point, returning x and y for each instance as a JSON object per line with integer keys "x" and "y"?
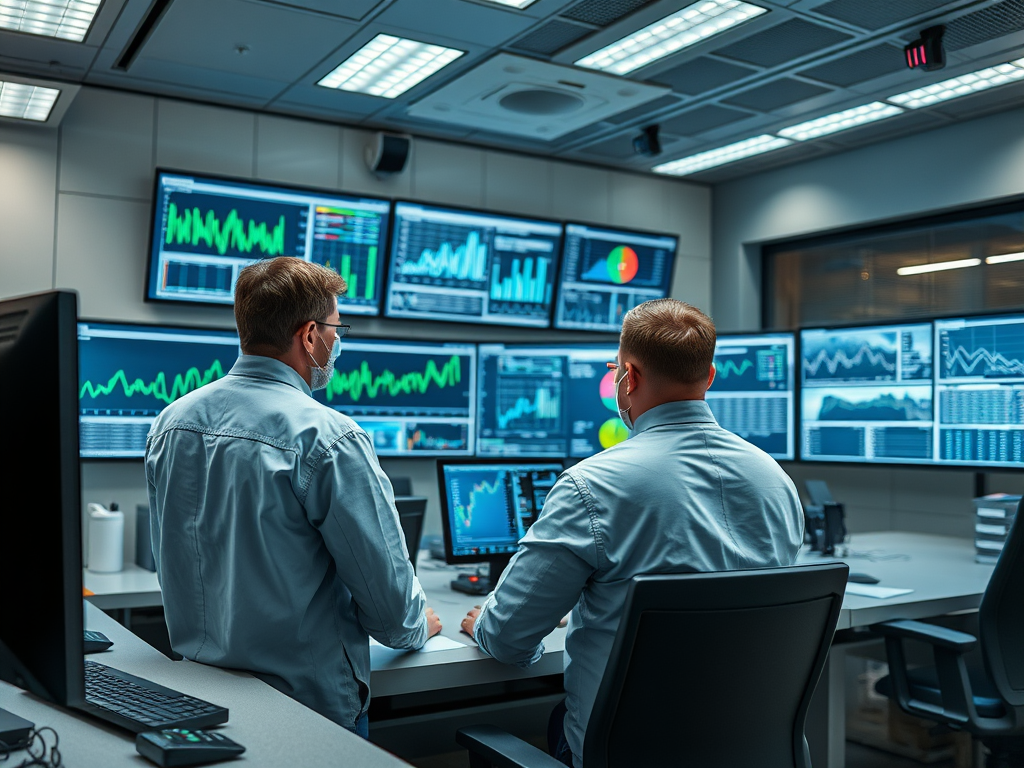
{"x": 304, "y": 334}
{"x": 711, "y": 376}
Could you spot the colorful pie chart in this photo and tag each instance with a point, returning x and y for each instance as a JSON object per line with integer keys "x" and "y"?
{"x": 607, "y": 390}
{"x": 622, "y": 264}
{"x": 612, "y": 432}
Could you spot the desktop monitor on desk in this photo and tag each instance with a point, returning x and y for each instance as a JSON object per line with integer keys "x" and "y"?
{"x": 487, "y": 505}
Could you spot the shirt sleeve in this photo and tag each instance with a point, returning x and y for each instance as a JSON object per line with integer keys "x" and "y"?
{"x": 544, "y": 579}
{"x": 351, "y": 501}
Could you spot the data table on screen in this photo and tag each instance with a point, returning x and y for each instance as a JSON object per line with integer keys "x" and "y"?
{"x": 206, "y": 229}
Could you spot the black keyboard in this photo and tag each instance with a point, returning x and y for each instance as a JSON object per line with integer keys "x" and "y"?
{"x": 141, "y": 705}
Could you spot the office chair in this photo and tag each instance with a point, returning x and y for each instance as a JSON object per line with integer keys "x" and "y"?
{"x": 410, "y": 515}
{"x": 699, "y": 658}
{"x": 986, "y": 701}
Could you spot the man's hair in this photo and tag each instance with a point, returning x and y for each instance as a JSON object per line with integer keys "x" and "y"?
{"x": 274, "y": 297}
{"x": 673, "y": 340}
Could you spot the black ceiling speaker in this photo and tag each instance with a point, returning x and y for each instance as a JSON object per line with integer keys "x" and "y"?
{"x": 388, "y": 153}
{"x": 646, "y": 142}
{"x": 926, "y": 52}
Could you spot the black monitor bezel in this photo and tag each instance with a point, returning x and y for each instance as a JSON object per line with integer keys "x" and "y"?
{"x": 385, "y": 290}
{"x": 160, "y": 171}
{"x": 446, "y": 532}
{"x": 559, "y": 283}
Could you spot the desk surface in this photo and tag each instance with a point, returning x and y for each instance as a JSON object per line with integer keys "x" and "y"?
{"x": 940, "y": 570}
{"x": 275, "y": 729}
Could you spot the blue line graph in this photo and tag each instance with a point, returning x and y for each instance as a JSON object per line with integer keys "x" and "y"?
{"x": 544, "y": 406}
{"x": 465, "y": 261}
{"x": 850, "y": 357}
{"x": 983, "y": 352}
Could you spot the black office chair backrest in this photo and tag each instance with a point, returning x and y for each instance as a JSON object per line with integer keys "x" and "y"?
{"x": 716, "y": 669}
{"x": 1001, "y": 617}
{"x": 410, "y": 516}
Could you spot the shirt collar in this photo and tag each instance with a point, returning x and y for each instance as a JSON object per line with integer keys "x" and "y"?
{"x": 269, "y": 369}
{"x": 676, "y": 412}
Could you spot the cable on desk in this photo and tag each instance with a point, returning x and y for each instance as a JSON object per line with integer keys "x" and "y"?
{"x": 877, "y": 555}
{"x": 40, "y": 753}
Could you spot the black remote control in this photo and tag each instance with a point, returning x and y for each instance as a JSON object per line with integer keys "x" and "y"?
{"x": 181, "y": 746}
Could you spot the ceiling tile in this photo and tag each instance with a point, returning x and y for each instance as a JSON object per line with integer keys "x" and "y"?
{"x": 858, "y": 67}
{"x": 702, "y": 75}
{"x": 455, "y": 20}
{"x": 650, "y": 108}
{"x": 702, "y": 119}
{"x": 875, "y": 15}
{"x": 551, "y": 37}
{"x": 782, "y": 43}
{"x": 602, "y": 13}
{"x": 775, "y": 94}
{"x": 349, "y": 9}
{"x": 983, "y": 25}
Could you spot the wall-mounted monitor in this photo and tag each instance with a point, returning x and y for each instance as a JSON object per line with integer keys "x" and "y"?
{"x": 547, "y": 400}
{"x": 867, "y": 394}
{"x": 205, "y": 229}
{"x": 979, "y": 391}
{"x": 129, "y": 373}
{"x": 459, "y": 265}
{"x": 606, "y": 272}
{"x": 753, "y": 394}
{"x": 412, "y": 398}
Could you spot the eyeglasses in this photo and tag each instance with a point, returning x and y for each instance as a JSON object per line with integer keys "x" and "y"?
{"x": 612, "y": 366}
{"x": 340, "y": 328}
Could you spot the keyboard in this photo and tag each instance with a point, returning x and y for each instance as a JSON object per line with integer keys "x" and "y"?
{"x": 141, "y": 705}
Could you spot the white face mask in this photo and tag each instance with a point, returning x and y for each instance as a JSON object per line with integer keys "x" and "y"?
{"x": 624, "y": 412}
{"x": 320, "y": 375}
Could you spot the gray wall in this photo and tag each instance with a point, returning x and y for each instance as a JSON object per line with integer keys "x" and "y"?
{"x": 962, "y": 164}
{"x": 75, "y": 208}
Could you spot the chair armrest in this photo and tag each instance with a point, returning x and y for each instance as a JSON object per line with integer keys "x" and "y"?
{"x": 502, "y": 749}
{"x": 950, "y": 639}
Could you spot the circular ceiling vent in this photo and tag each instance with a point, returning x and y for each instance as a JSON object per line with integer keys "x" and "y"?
{"x": 540, "y": 101}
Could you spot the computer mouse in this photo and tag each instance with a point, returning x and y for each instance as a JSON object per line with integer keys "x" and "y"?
{"x": 862, "y": 578}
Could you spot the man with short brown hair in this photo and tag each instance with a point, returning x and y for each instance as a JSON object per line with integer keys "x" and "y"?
{"x": 682, "y": 494}
{"x": 275, "y": 534}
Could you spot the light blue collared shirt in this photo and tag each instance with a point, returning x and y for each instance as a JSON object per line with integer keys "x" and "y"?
{"x": 276, "y": 539}
{"x": 682, "y": 494}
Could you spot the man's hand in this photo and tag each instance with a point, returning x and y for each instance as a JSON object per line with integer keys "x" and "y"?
{"x": 469, "y": 622}
{"x": 433, "y": 623}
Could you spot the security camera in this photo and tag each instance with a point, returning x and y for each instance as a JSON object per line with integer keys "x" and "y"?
{"x": 646, "y": 142}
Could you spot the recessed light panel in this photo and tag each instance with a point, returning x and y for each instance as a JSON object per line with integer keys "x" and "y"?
{"x": 388, "y": 66}
{"x": 727, "y": 154}
{"x": 682, "y": 29}
{"x": 941, "y": 266}
{"x": 26, "y": 102}
{"x": 1004, "y": 257}
{"x": 64, "y": 19}
{"x": 964, "y": 85}
{"x": 840, "y": 121}
{"x": 514, "y": 3}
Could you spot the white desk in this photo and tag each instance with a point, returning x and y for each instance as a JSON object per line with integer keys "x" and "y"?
{"x": 275, "y": 729}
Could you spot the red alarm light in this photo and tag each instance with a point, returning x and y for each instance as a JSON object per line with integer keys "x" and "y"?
{"x": 926, "y": 52}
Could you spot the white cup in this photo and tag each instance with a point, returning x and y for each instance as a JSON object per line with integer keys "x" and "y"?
{"x": 106, "y": 539}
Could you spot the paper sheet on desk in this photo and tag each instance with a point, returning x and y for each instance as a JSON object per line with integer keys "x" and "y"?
{"x": 870, "y": 590}
{"x": 380, "y": 652}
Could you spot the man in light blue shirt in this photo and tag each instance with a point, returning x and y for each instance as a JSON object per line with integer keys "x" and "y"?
{"x": 275, "y": 534}
{"x": 682, "y": 494}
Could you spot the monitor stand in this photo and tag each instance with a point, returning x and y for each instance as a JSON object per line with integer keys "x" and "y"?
{"x": 480, "y": 584}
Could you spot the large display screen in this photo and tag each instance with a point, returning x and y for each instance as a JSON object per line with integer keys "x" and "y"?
{"x": 129, "y": 373}
{"x": 556, "y": 401}
{"x": 979, "y": 391}
{"x": 205, "y": 230}
{"x": 469, "y": 266}
{"x": 606, "y": 272}
{"x": 412, "y": 398}
{"x": 753, "y": 392}
{"x": 867, "y": 394}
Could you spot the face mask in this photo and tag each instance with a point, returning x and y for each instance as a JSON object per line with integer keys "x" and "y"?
{"x": 319, "y": 376}
{"x": 623, "y": 412}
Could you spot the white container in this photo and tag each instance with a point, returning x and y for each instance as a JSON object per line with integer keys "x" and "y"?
{"x": 106, "y": 539}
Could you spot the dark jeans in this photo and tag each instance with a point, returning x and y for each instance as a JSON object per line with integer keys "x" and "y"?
{"x": 557, "y": 745}
{"x": 362, "y": 727}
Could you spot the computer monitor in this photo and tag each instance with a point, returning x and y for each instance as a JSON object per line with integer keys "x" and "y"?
{"x": 413, "y": 398}
{"x": 41, "y": 638}
{"x": 206, "y": 228}
{"x": 547, "y": 400}
{"x": 607, "y": 271}
{"x": 129, "y": 373}
{"x": 867, "y": 394}
{"x": 753, "y": 392}
{"x": 461, "y": 265}
{"x": 488, "y": 504}
{"x": 979, "y": 391}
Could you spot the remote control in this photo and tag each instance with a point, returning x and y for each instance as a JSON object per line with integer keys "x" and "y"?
{"x": 181, "y": 746}
{"x": 96, "y": 641}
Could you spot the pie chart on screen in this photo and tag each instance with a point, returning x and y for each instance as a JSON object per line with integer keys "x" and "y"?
{"x": 612, "y": 432}
{"x": 607, "y": 391}
{"x": 622, "y": 264}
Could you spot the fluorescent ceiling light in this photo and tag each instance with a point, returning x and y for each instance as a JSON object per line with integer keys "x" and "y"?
{"x": 388, "y": 66}
{"x": 514, "y": 3}
{"x": 920, "y": 269}
{"x": 960, "y": 86}
{"x": 26, "y": 102}
{"x": 722, "y": 155}
{"x": 840, "y": 121}
{"x": 65, "y": 19}
{"x": 1004, "y": 257}
{"x": 673, "y": 33}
